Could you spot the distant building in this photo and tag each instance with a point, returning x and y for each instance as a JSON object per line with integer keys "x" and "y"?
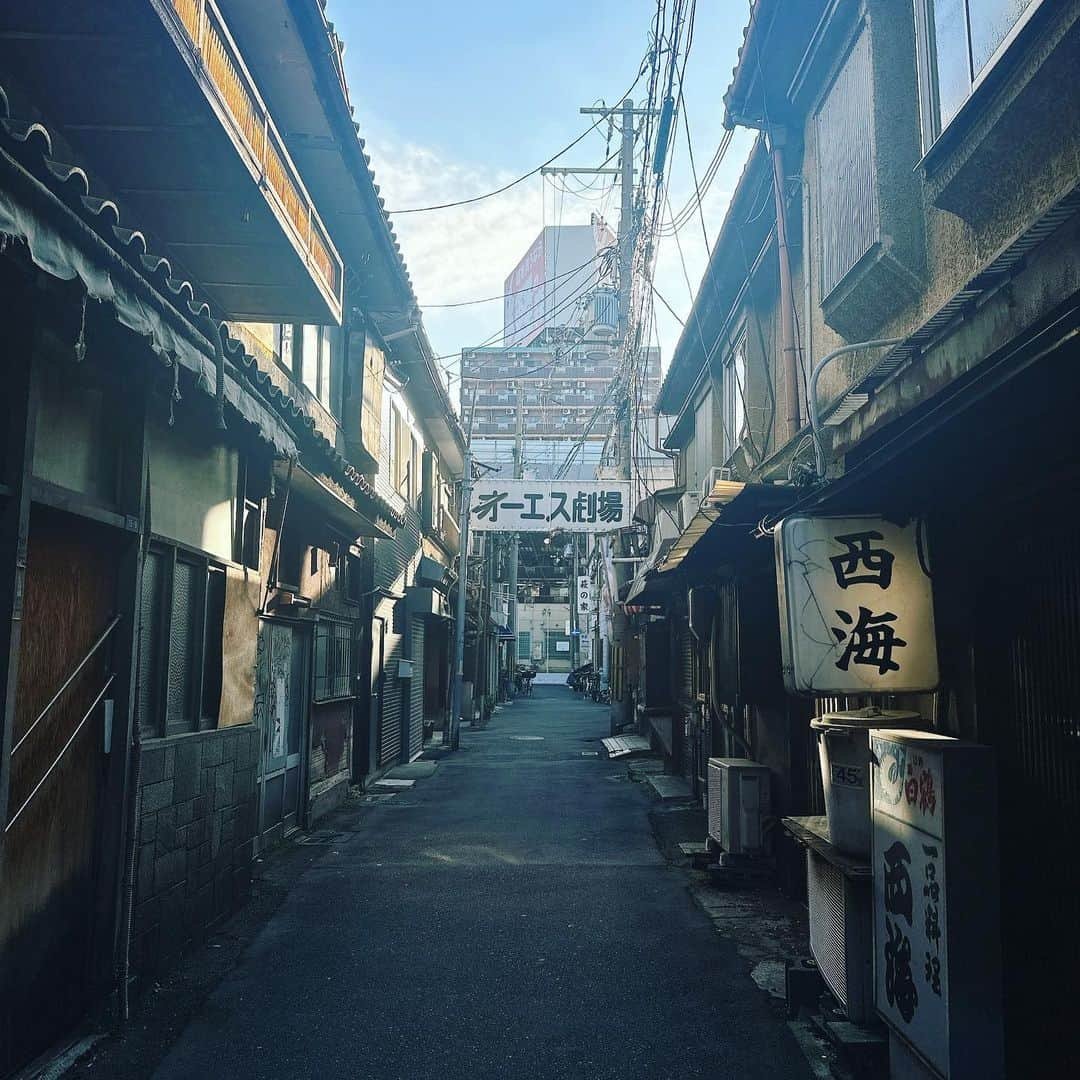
{"x": 560, "y": 394}
{"x": 565, "y": 264}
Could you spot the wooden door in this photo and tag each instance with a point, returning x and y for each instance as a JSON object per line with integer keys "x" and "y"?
{"x": 49, "y": 914}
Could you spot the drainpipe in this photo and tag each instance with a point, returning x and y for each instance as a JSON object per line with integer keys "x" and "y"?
{"x": 787, "y": 298}
{"x": 214, "y": 332}
{"x": 811, "y": 391}
{"x": 807, "y": 341}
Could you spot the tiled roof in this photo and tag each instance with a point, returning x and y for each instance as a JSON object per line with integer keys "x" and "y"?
{"x": 31, "y": 144}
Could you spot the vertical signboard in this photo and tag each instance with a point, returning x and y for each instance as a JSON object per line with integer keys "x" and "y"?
{"x": 584, "y": 598}
{"x": 936, "y": 923}
{"x": 523, "y": 293}
{"x": 910, "y": 931}
{"x": 857, "y": 612}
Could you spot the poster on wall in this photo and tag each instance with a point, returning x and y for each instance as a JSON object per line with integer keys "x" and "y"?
{"x": 588, "y": 506}
{"x": 856, "y": 606}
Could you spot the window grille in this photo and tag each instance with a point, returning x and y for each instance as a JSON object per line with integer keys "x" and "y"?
{"x": 182, "y": 615}
{"x": 333, "y": 660}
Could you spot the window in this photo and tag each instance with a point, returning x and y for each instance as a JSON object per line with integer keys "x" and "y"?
{"x": 333, "y": 660}
{"x": 251, "y": 489}
{"x": 524, "y": 645}
{"x": 283, "y": 344}
{"x": 371, "y": 413}
{"x": 734, "y": 398}
{"x": 414, "y": 469}
{"x": 352, "y": 570}
{"x": 404, "y": 457}
{"x": 959, "y": 41}
{"x": 290, "y": 564}
{"x": 182, "y": 615}
{"x": 315, "y": 365}
{"x": 847, "y": 196}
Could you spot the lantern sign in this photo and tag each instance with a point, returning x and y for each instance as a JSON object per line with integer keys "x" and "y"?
{"x": 856, "y": 606}
{"x": 584, "y": 596}
{"x": 589, "y": 506}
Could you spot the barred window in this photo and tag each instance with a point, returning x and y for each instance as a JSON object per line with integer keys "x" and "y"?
{"x": 333, "y": 660}
{"x": 182, "y": 614}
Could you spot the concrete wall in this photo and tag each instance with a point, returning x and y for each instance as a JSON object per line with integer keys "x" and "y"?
{"x": 1017, "y": 158}
{"x": 196, "y": 833}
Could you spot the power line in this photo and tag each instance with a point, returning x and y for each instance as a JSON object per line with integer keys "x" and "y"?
{"x": 532, "y": 172}
{"x": 516, "y": 292}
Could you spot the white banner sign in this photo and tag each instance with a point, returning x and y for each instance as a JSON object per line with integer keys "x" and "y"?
{"x": 590, "y": 506}
{"x": 856, "y": 606}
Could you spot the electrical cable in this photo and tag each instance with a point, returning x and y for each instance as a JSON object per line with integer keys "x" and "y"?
{"x": 514, "y": 292}
{"x": 525, "y": 176}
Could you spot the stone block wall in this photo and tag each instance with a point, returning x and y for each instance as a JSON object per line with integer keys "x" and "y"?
{"x": 196, "y": 838}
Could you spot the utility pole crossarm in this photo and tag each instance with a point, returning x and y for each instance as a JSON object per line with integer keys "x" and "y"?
{"x": 560, "y": 170}
{"x": 616, "y": 110}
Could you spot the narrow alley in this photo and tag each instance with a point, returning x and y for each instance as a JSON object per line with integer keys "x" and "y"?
{"x": 510, "y": 916}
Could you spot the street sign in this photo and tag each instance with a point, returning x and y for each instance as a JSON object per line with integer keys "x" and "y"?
{"x": 856, "y": 606}
{"x": 588, "y": 506}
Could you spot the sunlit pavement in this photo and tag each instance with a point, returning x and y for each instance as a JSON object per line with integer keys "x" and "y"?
{"x": 508, "y": 917}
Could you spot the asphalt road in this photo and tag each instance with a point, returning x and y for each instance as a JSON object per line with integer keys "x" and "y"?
{"x": 509, "y": 917}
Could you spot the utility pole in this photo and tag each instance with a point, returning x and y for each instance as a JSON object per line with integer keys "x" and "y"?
{"x": 515, "y": 537}
{"x": 575, "y": 612}
{"x": 462, "y": 599}
{"x": 627, "y": 239}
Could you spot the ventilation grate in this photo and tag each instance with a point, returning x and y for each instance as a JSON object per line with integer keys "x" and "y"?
{"x": 825, "y": 892}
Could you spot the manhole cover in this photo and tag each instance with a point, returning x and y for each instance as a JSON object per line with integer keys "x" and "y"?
{"x": 527, "y": 738}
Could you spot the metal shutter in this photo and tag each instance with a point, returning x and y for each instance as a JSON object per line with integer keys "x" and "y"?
{"x": 416, "y": 689}
{"x": 390, "y": 721}
{"x": 684, "y": 691}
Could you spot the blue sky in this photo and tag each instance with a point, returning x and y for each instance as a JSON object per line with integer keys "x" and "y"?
{"x": 456, "y": 99}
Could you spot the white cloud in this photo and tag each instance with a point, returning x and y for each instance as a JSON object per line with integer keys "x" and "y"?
{"x": 466, "y": 252}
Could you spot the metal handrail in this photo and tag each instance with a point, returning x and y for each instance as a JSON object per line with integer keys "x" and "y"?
{"x": 71, "y": 739}
{"x": 67, "y": 682}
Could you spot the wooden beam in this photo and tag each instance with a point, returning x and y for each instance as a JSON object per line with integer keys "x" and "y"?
{"x": 21, "y": 317}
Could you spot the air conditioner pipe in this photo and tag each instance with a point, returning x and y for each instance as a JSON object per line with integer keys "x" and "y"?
{"x": 811, "y": 391}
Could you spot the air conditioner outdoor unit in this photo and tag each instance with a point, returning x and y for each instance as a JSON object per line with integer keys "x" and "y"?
{"x": 689, "y": 505}
{"x": 739, "y": 802}
{"x": 841, "y": 934}
{"x": 708, "y": 482}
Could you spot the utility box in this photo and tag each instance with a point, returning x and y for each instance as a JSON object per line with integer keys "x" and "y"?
{"x": 937, "y": 934}
{"x": 739, "y": 801}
